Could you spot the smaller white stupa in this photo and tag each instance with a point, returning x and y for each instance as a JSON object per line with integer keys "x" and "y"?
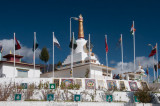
{"x": 137, "y": 75}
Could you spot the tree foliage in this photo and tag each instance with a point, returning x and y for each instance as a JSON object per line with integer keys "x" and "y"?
{"x": 143, "y": 96}
{"x": 44, "y": 56}
{"x": 59, "y": 63}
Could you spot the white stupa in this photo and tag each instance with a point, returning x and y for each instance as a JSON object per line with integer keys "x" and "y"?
{"x": 82, "y": 68}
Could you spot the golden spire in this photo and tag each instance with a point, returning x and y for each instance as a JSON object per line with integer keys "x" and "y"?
{"x": 81, "y": 32}
{"x": 10, "y": 52}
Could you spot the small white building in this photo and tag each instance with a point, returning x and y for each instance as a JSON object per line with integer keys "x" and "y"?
{"x": 21, "y": 70}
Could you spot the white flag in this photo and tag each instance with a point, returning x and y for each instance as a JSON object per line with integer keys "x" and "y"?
{"x": 55, "y": 41}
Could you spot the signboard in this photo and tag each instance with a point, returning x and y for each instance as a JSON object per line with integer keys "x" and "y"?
{"x": 77, "y": 97}
{"x": 50, "y": 97}
{"x": 52, "y": 86}
{"x": 136, "y": 99}
{"x": 17, "y": 97}
{"x": 24, "y": 85}
{"x": 109, "y": 98}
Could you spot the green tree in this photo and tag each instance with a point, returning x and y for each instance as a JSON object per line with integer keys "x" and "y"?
{"x": 143, "y": 96}
{"x": 44, "y": 56}
{"x": 59, "y": 63}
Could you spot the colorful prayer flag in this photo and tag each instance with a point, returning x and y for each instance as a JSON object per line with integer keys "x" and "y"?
{"x": 119, "y": 42}
{"x": 17, "y": 45}
{"x": 1, "y": 48}
{"x": 55, "y": 41}
{"x": 35, "y": 43}
{"x": 106, "y": 45}
{"x": 132, "y": 30}
{"x": 147, "y": 72}
{"x": 74, "y": 43}
{"x": 155, "y": 67}
{"x": 153, "y": 52}
{"x": 87, "y": 45}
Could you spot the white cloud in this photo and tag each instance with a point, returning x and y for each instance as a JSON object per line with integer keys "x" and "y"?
{"x": 129, "y": 67}
{"x": 24, "y": 51}
{"x": 112, "y": 62}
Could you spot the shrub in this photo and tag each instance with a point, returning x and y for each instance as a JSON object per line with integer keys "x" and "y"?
{"x": 143, "y": 96}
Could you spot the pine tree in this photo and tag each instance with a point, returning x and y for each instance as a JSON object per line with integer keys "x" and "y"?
{"x": 44, "y": 56}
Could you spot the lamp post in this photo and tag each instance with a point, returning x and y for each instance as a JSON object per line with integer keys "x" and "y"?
{"x": 153, "y": 61}
{"x": 75, "y": 18}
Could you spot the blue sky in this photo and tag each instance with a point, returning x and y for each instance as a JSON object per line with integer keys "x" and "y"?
{"x": 111, "y": 17}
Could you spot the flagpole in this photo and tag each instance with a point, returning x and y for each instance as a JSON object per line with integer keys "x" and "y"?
{"x": 90, "y": 56}
{"x": 134, "y": 44}
{"x": 34, "y": 54}
{"x": 53, "y": 54}
{"x": 148, "y": 78}
{"x": 14, "y": 56}
{"x": 122, "y": 51}
{"x": 153, "y": 66}
{"x": 72, "y": 55}
{"x": 106, "y": 58}
{"x": 157, "y": 58}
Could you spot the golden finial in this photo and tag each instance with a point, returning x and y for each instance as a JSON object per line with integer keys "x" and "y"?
{"x": 10, "y": 52}
{"x": 139, "y": 63}
{"x": 81, "y": 32}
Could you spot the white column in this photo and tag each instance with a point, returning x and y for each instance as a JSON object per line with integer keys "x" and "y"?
{"x": 154, "y": 69}
{"x": 70, "y": 28}
{"x": 90, "y": 57}
{"x": 122, "y": 50}
{"x": 106, "y": 57}
{"x": 34, "y": 53}
{"x": 72, "y": 55}
{"x": 157, "y": 58}
{"x": 134, "y": 46}
{"x": 53, "y": 54}
{"x": 14, "y": 58}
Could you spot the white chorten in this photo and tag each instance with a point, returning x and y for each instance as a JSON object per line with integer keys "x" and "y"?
{"x": 81, "y": 66}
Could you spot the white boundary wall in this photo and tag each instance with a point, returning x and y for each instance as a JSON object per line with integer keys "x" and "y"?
{"x": 31, "y": 103}
{"x": 50, "y": 80}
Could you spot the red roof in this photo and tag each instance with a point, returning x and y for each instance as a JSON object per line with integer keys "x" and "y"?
{"x": 20, "y": 63}
{"x": 12, "y": 55}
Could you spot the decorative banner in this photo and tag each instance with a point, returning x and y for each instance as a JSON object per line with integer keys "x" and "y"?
{"x": 50, "y": 97}
{"x": 17, "y": 97}
{"x": 136, "y": 99}
{"x": 67, "y": 82}
{"x": 79, "y": 82}
{"x": 77, "y": 97}
{"x": 90, "y": 83}
{"x": 111, "y": 85}
{"x": 133, "y": 86}
{"x": 56, "y": 81}
{"x": 144, "y": 85}
{"x": 122, "y": 85}
{"x": 52, "y": 86}
{"x": 109, "y": 98}
{"x": 24, "y": 85}
{"x": 100, "y": 84}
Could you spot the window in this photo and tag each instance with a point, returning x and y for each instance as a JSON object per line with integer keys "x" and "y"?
{"x": 104, "y": 72}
